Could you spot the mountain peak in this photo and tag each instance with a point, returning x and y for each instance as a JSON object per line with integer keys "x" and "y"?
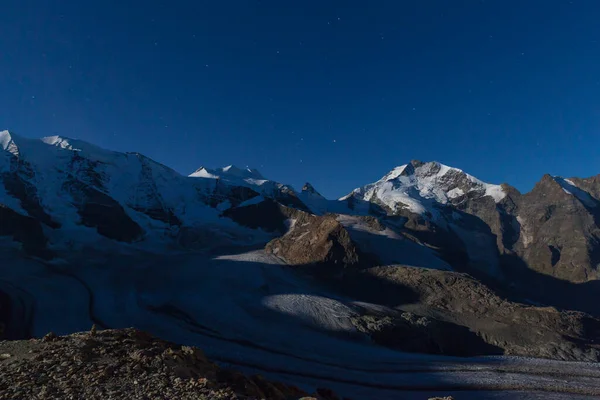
{"x": 61, "y": 141}
{"x": 203, "y": 172}
{"x": 308, "y": 188}
{"x": 7, "y": 142}
{"x": 244, "y": 173}
{"x": 230, "y": 171}
{"x": 417, "y": 163}
{"x": 418, "y": 185}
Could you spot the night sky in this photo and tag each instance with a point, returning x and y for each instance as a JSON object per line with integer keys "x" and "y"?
{"x": 332, "y": 92}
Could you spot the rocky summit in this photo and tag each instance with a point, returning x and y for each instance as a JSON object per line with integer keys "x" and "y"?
{"x": 426, "y": 282}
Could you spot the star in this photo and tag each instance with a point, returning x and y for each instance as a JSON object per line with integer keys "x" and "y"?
{"x": 334, "y": 141}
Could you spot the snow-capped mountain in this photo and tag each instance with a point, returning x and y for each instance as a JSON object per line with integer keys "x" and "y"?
{"x": 230, "y": 172}
{"x": 419, "y": 187}
{"x": 83, "y": 189}
{"x": 252, "y": 179}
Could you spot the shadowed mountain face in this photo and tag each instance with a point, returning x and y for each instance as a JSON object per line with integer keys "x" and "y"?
{"x": 390, "y": 259}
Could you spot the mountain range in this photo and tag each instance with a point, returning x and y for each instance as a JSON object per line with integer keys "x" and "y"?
{"x": 426, "y": 260}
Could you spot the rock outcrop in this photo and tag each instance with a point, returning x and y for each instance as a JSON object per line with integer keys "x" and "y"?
{"x": 315, "y": 240}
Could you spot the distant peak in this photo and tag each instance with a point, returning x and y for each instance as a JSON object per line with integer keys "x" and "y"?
{"x": 5, "y": 137}
{"x": 203, "y": 172}
{"x": 60, "y": 141}
{"x": 569, "y": 187}
{"x": 417, "y": 163}
{"x": 308, "y": 188}
{"x": 75, "y": 145}
{"x": 230, "y": 168}
{"x": 395, "y": 173}
{"x": 416, "y": 185}
{"x": 7, "y": 142}
{"x": 418, "y": 167}
{"x": 230, "y": 171}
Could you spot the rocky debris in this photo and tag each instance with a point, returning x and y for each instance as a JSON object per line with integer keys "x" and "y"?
{"x": 494, "y": 322}
{"x": 125, "y": 364}
{"x": 417, "y": 334}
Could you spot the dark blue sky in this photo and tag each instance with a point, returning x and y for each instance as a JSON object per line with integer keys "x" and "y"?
{"x": 332, "y": 92}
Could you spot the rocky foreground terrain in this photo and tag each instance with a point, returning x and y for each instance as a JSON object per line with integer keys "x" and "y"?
{"x": 126, "y": 364}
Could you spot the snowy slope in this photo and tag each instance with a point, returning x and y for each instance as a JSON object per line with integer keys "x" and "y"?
{"x": 64, "y": 175}
{"x": 420, "y": 187}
